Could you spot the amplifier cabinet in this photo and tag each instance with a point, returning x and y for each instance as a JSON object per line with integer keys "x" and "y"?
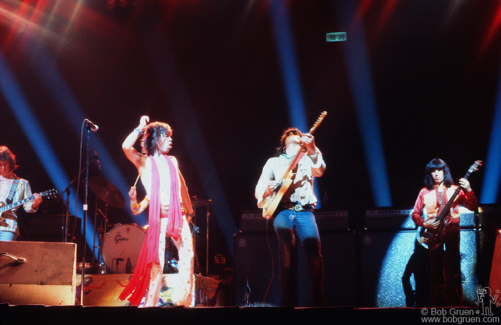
{"x": 400, "y": 219}
{"x": 252, "y": 221}
{"x": 37, "y": 273}
{"x": 389, "y": 218}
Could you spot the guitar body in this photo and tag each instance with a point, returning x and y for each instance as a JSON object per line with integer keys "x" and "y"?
{"x": 431, "y": 238}
{"x": 272, "y": 201}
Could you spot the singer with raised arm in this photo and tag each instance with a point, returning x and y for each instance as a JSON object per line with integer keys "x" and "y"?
{"x": 295, "y": 212}
{"x": 445, "y": 265}
{"x": 169, "y": 209}
{"x": 13, "y": 189}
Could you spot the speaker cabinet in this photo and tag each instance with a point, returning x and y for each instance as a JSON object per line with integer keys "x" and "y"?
{"x": 49, "y": 228}
{"x": 256, "y": 269}
{"x": 37, "y": 273}
{"x": 257, "y": 266}
{"x": 340, "y": 265}
{"x": 252, "y": 221}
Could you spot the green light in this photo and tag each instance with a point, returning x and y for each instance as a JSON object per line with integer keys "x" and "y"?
{"x": 336, "y": 37}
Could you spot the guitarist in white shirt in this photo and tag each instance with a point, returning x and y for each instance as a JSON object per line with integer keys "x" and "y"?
{"x": 21, "y": 190}
{"x": 295, "y": 212}
{"x": 439, "y": 187}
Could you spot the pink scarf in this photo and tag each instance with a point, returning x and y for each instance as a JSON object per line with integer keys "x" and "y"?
{"x": 141, "y": 277}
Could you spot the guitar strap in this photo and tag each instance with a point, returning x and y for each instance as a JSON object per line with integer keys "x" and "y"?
{"x": 13, "y": 189}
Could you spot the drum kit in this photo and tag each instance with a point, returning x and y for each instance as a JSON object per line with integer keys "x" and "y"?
{"x": 119, "y": 247}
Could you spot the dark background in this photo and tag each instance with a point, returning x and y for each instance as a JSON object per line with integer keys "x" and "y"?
{"x": 434, "y": 67}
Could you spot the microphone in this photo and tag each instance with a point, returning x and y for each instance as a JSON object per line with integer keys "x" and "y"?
{"x": 97, "y": 158}
{"x": 93, "y": 126}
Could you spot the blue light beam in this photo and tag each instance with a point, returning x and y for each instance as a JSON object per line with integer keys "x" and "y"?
{"x": 357, "y": 61}
{"x": 492, "y": 174}
{"x": 174, "y": 91}
{"x": 34, "y": 131}
{"x": 68, "y": 105}
{"x": 290, "y": 75}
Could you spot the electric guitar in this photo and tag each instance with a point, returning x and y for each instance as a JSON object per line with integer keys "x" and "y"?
{"x": 272, "y": 201}
{"x": 3, "y": 207}
{"x": 432, "y": 238}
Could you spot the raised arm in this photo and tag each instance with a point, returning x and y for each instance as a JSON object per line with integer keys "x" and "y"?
{"x": 314, "y": 154}
{"x": 128, "y": 146}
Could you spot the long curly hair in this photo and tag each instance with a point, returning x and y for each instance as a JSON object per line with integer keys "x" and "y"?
{"x": 7, "y": 156}
{"x": 433, "y": 165}
{"x": 151, "y": 134}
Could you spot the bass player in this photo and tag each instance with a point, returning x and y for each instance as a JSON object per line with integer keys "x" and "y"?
{"x": 439, "y": 186}
{"x": 295, "y": 212}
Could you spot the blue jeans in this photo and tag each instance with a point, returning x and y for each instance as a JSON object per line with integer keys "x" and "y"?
{"x": 307, "y": 231}
{"x": 7, "y": 236}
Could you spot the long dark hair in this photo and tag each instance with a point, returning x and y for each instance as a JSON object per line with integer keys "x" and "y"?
{"x": 433, "y": 165}
{"x": 8, "y": 156}
{"x": 287, "y": 133}
{"x": 151, "y": 134}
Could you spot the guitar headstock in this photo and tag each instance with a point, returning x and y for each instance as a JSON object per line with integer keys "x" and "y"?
{"x": 50, "y": 193}
{"x": 319, "y": 120}
{"x": 476, "y": 165}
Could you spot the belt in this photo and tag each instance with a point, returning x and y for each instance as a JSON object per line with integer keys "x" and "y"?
{"x": 298, "y": 207}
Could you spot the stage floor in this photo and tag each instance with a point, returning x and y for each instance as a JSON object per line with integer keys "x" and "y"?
{"x": 31, "y": 314}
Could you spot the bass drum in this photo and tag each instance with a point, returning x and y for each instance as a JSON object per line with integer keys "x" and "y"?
{"x": 121, "y": 247}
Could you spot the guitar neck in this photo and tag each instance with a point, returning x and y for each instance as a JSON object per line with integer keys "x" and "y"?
{"x": 447, "y": 206}
{"x": 16, "y": 204}
{"x": 302, "y": 150}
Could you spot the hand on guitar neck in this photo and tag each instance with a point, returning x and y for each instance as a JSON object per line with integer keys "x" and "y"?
{"x": 309, "y": 142}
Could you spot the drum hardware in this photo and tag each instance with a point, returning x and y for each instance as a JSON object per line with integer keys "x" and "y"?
{"x": 107, "y": 192}
{"x": 110, "y": 195}
{"x": 90, "y": 268}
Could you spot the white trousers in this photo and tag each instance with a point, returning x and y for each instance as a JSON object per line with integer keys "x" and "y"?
{"x": 183, "y": 291}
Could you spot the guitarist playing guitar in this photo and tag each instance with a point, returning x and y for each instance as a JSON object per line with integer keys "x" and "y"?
{"x": 295, "y": 211}
{"x": 441, "y": 220}
{"x": 13, "y": 189}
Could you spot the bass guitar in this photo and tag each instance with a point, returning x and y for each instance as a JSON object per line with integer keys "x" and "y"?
{"x": 3, "y": 207}
{"x": 272, "y": 201}
{"x": 432, "y": 238}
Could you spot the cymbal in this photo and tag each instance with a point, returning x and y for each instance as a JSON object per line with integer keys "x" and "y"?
{"x": 200, "y": 203}
{"x": 106, "y": 192}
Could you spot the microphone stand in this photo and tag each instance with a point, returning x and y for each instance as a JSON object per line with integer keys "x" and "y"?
{"x": 68, "y": 190}
{"x": 85, "y": 210}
